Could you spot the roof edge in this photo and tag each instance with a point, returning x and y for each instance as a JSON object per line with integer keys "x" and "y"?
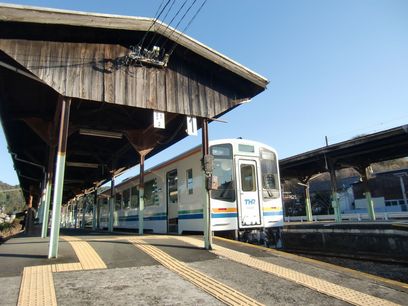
{"x": 129, "y": 23}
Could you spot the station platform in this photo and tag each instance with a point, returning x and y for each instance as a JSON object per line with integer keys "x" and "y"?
{"x": 126, "y": 269}
{"x": 381, "y": 240}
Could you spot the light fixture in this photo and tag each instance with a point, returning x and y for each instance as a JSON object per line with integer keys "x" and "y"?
{"x": 98, "y": 133}
{"x": 82, "y": 165}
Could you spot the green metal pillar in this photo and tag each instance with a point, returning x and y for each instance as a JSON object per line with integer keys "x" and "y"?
{"x": 309, "y": 215}
{"x": 84, "y": 207}
{"x": 98, "y": 214}
{"x": 59, "y": 179}
{"x": 335, "y": 202}
{"x": 111, "y": 205}
{"x": 308, "y": 205}
{"x": 370, "y": 203}
{"x": 41, "y": 207}
{"x": 46, "y": 209}
{"x": 76, "y": 213}
{"x": 95, "y": 200}
{"x": 207, "y": 174}
{"x": 72, "y": 215}
{"x": 141, "y": 193}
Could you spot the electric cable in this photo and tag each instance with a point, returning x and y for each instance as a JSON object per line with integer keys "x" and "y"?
{"x": 181, "y": 19}
{"x": 154, "y": 21}
{"x": 168, "y": 25}
{"x": 187, "y": 26}
{"x": 164, "y": 18}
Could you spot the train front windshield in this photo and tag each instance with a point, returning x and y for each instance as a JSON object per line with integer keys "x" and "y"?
{"x": 270, "y": 178}
{"x": 223, "y": 173}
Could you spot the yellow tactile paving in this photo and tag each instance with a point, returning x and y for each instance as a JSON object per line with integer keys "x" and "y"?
{"x": 87, "y": 256}
{"x": 320, "y": 264}
{"x": 76, "y": 266}
{"x": 220, "y": 291}
{"x": 342, "y": 293}
{"x": 37, "y": 287}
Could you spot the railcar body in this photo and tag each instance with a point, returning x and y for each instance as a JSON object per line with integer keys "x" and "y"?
{"x": 246, "y": 192}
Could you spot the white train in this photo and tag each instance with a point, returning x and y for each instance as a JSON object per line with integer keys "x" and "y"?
{"x": 245, "y": 197}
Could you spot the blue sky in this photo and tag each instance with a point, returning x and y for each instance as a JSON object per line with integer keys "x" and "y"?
{"x": 336, "y": 68}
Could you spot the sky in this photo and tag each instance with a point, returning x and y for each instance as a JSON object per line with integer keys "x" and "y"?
{"x": 336, "y": 68}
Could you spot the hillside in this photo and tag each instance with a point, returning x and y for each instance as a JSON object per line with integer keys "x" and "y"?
{"x": 11, "y": 198}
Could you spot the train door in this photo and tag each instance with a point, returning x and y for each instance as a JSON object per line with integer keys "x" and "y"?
{"x": 249, "y": 207}
{"x": 172, "y": 202}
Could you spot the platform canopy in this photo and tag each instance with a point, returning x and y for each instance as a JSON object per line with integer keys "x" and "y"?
{"x": 357, "y": 153}
{"x": 114, "y": 87}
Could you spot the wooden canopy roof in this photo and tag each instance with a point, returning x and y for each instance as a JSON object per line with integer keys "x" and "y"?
{"x": 46, "y": 54}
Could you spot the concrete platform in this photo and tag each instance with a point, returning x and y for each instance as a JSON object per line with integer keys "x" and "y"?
{"x": 126, "y": 269}
{"x": 386, "y": 241}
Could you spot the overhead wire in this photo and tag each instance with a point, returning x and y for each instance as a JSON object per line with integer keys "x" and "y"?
{"x": 187, "y": 26}
{"x": 171, "y": 21}
{"x": 164, "y": 19}
{"x": 153, "y": 23}
{"x": 181, "y": 19}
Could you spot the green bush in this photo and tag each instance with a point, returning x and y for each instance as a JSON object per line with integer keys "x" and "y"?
{"x": 7, "y": 229}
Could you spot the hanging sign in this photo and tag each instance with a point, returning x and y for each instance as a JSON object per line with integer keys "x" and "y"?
{"x": 191, "y": 126}
{"x": 159, "y": 121}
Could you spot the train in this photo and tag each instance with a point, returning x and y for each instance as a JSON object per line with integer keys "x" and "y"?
{"x": 245, "y": 197}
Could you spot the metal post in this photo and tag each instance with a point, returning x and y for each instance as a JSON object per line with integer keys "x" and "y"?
{"x": 335, "y": 202}
{"x": 84, "y": 206}
{"x": 206, "y": 208}
{"x": 68, "y": 216}
{"x": 141, "y": 193}
{"x": 72, "y": 220}
{"x": 308, "y": 204}
{"x": 76, "y": 213}
{"x": 404, "y": 194}
{"x": 42, "y": 202}
{"x": 59, "y": 179}
{"x": 62, "y": 222}
{"x": 111, "y": 204}
{"x": 40, "y": 210}
{"x": 94, "y": 209}
{"x": 46, "y": 209}
{"x": 370, "y": 203}
{"x": 48, "y": 187}
{"x": 98, "y": 215}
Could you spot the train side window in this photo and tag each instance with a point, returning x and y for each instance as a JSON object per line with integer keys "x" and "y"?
{"x": 270, "y": 178}
{"x": 189, "y": 181}
{"x": 151, "y": 196}
{"x": 172, "y": 186}
{"x": 223, "y": 183}
{"x": 126, "y": 198}
{"x": 134, "y": 198}
{"x": 118, "y": 201}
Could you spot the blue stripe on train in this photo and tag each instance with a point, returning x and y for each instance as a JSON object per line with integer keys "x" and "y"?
{"x": 273, "y": 213}
{"x": 224, "y": 215}
{"x": 136, "y": 218}
{"x": 190, "y": 216}
{"x": 196, "y": 216}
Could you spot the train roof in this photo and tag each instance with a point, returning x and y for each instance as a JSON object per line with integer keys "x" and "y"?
{"x": 193, "y": 151}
